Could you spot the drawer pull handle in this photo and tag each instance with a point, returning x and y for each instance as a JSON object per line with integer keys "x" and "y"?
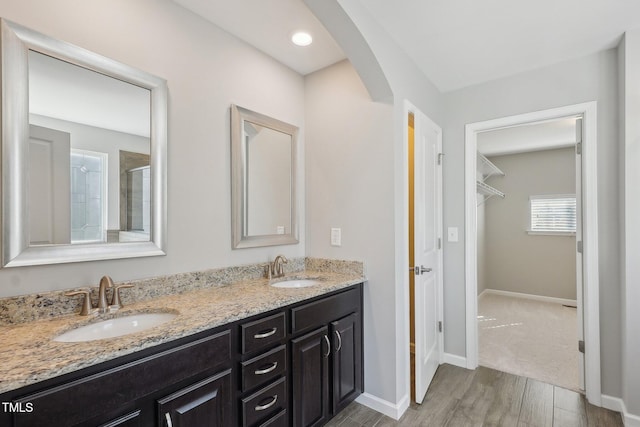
{"x": 267, "y": 370}
{"x": 266, "y": 334}
{"x": 274, "y": 399}
{"x": 339, "y": 341}
{"x": 326, "y": 338}
{"x": 168, "y": 418}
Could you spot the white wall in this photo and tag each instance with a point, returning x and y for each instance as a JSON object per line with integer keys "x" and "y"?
{"x": 630, "y": 206}
{"x": 517, "y": 261}
{"x": 207, "y": 70}
{"x": 584, "y": 79}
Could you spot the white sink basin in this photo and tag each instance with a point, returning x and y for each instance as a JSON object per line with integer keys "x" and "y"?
{"x": 295, "y": 283}
{"x": 116, "y": 327}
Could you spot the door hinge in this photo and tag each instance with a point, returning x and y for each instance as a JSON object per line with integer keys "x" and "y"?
{"x": 440, "y": 156}
{"x": 579, "y": 148}
{"x": 579, "y": 245}
{"x": 581, "y": 346}
{"x": 439, "y": 242}
{"x": 440, "y": 326}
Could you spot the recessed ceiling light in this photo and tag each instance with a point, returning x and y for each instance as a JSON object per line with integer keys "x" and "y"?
{"x": 301, "y": 38}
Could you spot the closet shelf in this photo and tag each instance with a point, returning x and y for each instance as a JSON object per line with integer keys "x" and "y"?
{"x": 487, "y": 190}
{"x": 487, "y": 168}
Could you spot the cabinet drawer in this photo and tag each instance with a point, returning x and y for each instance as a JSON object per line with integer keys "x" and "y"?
{"x": 321, "y": 312}
{"x": 110, "y": 390}
{"x": 259, "y": 334}
{"x": 264, "y": 368}
{"x": 279, "y": 420}
{"x": 264, "y": 404}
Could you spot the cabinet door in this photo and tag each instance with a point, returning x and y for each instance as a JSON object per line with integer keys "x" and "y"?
{"x": 129, "y": 420}
{"x": 204, "y": 404}
{"x": 347, "y": 360}
{"x": 310, "y": 371}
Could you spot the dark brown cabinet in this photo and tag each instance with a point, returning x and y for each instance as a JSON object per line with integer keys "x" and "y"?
{"x": 310, "y": 372}
{"x": 204, "y": 404}
{"x": 327, "y": 362}
{"x": 347, "y": 360}
{"x": 129, "y": 420}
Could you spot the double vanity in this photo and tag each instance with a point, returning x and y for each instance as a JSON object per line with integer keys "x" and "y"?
{"x": 246, "y": 353}
{"x": 226, "y": 347}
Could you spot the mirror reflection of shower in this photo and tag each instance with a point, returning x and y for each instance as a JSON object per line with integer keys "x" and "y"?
{"x": 135, "y": 197}
{"x": 138, "y": 204}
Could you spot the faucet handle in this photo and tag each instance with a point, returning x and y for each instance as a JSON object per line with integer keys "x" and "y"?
{"x": 87, "y": 307}
{"x": 115, "y": 298}
{"x": 267, "y": 268}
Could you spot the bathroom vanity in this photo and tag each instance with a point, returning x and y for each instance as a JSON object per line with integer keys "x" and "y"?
{"x": 296, "y": 365}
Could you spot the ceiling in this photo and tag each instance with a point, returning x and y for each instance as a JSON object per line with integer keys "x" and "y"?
{"x": 456, "y": 43}
{"x": 546, "y": 135}
{"x": 268, "y": 25}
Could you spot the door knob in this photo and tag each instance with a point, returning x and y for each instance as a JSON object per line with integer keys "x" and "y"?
{"x": 418, "y": 270}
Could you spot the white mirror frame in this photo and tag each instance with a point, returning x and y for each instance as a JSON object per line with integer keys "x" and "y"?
{"x": 240, "y": 239}
{"x": 15, "y": 42}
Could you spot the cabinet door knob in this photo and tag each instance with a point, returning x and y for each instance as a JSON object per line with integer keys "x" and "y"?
{"x": 326, "y": 338}
{"x": 167, "y": 417}
{"x": 266, "y": 334}
{"x": 339, "y": 341}
{"x": 274, "y": 399}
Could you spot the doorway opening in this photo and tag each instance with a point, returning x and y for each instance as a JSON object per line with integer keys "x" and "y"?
{"x": 586, "y": 250}
{"x": 527, "y": 220}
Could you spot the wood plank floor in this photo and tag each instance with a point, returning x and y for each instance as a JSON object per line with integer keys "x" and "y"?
{"x": 459, "y": 397}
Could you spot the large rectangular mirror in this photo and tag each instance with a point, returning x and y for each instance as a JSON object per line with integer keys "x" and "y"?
{"x": 263, "y": 151}
{"x": 84, "y": 154}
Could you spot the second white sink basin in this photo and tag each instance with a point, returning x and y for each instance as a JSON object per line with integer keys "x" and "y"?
{"x": 115, "y": 327}
{"x": 295, "y": 283}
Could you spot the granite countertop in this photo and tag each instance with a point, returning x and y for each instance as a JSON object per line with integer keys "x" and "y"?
{"x": 30, "y": 355}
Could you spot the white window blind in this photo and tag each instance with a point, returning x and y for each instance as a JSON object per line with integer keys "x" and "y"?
{"x": 553, "y": 214}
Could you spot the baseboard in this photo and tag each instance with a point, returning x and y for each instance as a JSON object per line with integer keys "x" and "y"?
{"x": 563, "y": 301}
{"x": 455, "y": 360}
{"x": 617, "y": 404}
{"x": 389, "y": 409}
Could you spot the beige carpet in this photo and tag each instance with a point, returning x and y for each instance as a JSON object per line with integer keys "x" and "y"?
{"x": 529, "y": 338}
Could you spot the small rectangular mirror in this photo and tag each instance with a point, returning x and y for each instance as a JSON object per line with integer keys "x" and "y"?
{"x": 263, "y": 163}
{"x": 84, "y": 142}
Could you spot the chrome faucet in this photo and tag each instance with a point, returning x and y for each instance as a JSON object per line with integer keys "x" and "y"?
{"x": 103, "y": 307}
{"x": 277, "y": 269}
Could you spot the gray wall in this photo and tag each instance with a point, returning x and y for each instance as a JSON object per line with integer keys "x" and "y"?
{"x": 384, "y": 244}
{"x": 584, "y": 79}
{"x": 207, "y": 70}
{"x": 350, "y": 186}
{"x": 630, "y": 210}
{"x": 515, "y": 260}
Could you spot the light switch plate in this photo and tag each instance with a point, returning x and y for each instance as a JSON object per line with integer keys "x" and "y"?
{"x": 336, "y": 237}
{"x": 452, "y": 234}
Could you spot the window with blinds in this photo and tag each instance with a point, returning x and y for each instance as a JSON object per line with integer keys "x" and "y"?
{"x": 552, "y": 214}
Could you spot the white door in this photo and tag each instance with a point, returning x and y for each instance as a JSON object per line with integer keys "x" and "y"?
{"x": 579, "y": 285}
{"x": 49, "y": 186}
{"x": 428, "y": 254}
